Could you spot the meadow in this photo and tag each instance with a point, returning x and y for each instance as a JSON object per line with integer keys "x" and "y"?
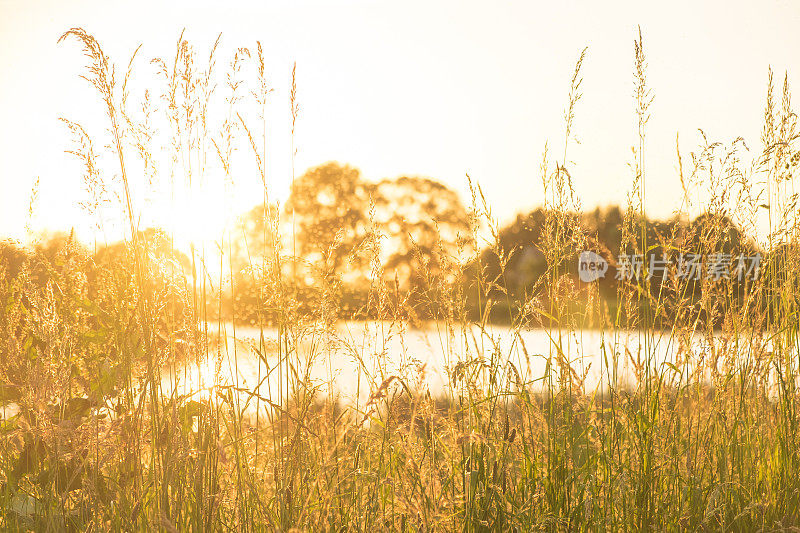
{"x": 123, "y": 407}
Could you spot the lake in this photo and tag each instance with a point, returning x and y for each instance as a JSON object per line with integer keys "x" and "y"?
{"x": 352, "y": 359}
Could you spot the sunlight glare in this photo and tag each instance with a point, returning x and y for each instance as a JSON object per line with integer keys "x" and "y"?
{"x": 198, "y": 222}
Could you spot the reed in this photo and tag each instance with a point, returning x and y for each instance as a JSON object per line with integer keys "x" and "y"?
{"x": 121, "y": 370}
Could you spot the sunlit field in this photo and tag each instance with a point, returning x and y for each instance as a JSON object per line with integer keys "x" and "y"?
{"x": 367, "y": 355}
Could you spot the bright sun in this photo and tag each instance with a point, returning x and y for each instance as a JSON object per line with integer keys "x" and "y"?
{"x": 198, "y": 221}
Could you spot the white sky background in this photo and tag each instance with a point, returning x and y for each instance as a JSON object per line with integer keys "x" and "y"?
{"x": 438, "y": 89}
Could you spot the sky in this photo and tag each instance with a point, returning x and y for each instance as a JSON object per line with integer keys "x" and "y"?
{"x": 438, "y": 89}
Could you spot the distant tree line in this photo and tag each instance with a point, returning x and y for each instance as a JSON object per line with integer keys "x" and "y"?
{"x": 414, "y": 240}
{"x": 344, "y": 247}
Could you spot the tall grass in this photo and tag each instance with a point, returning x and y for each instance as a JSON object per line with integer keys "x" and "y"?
{"x": 130, "y": 413}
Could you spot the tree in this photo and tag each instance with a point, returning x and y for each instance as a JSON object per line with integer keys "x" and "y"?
{"x": 426, "y": 227}
{"x": 329, "y": 206}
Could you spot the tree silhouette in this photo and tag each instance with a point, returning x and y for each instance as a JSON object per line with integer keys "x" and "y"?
{"x": 328, "y": 207}
{"x": 426, "y": 227}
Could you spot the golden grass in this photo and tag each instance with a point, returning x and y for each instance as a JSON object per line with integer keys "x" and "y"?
{"x": 99, "y": 440}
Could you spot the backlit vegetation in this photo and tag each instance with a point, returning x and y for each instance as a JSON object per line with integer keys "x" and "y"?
{"x": 123, "y": 404}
